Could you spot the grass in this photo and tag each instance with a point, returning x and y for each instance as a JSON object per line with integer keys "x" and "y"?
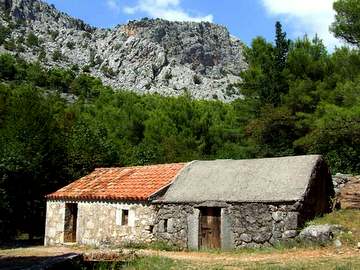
{"x": 156, "y": 245}
{"x": 319, "y": 264}
{"x": 162, "y": 263}
{"x": 349, "y": 219}
{"x": 154, "y": 262}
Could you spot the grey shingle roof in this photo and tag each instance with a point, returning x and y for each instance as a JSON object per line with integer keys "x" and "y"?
{"x": 252, "y": 180}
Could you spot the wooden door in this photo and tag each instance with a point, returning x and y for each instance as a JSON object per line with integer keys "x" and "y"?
{"x": 210, "y": 221}
{"x": 70, "y": 222}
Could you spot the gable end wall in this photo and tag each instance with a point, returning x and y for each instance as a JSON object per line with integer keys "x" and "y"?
{"x": 99, "y": 223}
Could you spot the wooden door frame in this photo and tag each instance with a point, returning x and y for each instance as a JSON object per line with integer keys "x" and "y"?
{"x": 201, "y": 210}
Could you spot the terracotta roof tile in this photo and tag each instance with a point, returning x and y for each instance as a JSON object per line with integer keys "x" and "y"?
{"x": 123, "y": 183}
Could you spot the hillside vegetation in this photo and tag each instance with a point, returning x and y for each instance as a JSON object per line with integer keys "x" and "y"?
{"x": 59, "y": 124}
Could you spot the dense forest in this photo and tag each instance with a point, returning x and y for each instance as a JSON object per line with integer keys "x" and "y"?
{"x": 57, "y": 125}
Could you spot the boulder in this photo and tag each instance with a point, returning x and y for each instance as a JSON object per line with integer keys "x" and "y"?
{"x": 319, "y": 233}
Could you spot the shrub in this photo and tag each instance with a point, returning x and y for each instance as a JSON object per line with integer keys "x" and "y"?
{"x": 70, "y": 45}
{"x": 197, "y": 79}
{"x": 10, "y": 45}
{"x": 54, "y": 34}
{"x": 57, "y": 55}
{"x": 32, "y": 40}
{"x": 4, "y": 33}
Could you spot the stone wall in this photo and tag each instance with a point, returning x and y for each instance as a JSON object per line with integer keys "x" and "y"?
{"x": 99, "y": 223}
{"x": 54, "y": 227}
{"x": 256, "y": 224}
{"x": 176, "y": 229}
{"x": 242, "y": 224}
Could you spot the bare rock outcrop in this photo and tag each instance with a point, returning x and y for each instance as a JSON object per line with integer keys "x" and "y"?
{"x": 146, "y": 56}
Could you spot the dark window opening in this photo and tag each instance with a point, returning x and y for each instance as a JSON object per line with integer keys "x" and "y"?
{"x": 151, "y": 228}
{"x": 125, "y": 217}
{"x": 165, "y": 225}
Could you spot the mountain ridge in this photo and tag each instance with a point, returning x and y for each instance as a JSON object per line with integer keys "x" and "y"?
{"x": 145, "y": 56}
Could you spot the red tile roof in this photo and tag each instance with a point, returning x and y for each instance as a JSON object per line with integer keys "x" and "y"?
{"x": 123, "y": 183}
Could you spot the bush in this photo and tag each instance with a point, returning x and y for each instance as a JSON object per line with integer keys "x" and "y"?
{"x": 70, "y": 45}
{"x": 54, "y": 34}
{"x": 57, "y": 56}
{"x": 32, "y": 40}
{"x": 4, "y": 33}
{"x": 10, "y": 45}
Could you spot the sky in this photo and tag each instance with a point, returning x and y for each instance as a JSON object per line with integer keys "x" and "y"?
{"x": 245, "y": 19}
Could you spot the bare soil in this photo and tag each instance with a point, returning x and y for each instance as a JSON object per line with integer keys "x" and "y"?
{"x": 24, "y": 257}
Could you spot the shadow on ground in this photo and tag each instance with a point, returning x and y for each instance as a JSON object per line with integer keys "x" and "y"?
{"x": 21, "y": 243}
{"x": 35, "y": 262}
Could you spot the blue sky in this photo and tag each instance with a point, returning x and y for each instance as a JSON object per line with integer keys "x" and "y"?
{"x": 245, "y": 19}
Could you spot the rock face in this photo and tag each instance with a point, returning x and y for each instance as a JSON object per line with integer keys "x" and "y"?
{"x": 145, "y": 56}
{"x": 347, "y": 188}
{"x": 319, "y": 233}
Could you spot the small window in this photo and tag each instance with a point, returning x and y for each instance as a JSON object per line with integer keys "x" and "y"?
{"x": 125, "y": 217}
{"x": 165, "y": 225}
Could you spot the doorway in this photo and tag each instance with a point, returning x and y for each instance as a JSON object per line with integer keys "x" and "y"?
{"x": 210, "y": 223}
{"x": 71, "y": 210}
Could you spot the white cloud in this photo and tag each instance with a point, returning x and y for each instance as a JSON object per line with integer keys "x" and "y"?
{"x": 113, "y": 5}
{"x": 306, "y": 16}
{"x": 166, "y": 9}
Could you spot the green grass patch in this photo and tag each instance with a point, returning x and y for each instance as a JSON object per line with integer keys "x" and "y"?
{"x": 154, "y": 262}
{"x": 321, "y": 264}
{"x": 156, "y": 245}
{"x": 349, "y": 219}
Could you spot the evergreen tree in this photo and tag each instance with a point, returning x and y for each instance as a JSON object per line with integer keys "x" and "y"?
{"x": 347, "y": 21}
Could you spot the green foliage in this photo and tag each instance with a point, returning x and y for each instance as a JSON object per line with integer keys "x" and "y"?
{"x": 265, "y": 80}
{"x": 57, "y": 55}
{"x": 335, "y": 131}
{"x": 347, "y": 21}
{"x": 10, "y": 45}
{"x": 7, "y": 67}
{"x": 4, "y": 33}
{"x": 108, "y": 71}
{"x": 54, "y": 34}
{"x": 32, "y": 40}
{"x": 154, "y": 262}
{"x": 70, "y": 45}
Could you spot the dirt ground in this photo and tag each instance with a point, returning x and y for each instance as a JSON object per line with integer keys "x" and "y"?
{"x": 17, "y": 257}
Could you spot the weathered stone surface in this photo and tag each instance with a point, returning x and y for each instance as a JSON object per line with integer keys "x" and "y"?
{"x": 97, "y": 223}
{"x": 349, "y": 194}
{"x": 54, "y": 227}
{"x": 289, "y": 234}
{"x": 249, "y": 224}
{"x": 319, "y": 233}
{"x": 179, "y": 231}
{"x": 145, "y": 56}
{"x": 245, "y": 237}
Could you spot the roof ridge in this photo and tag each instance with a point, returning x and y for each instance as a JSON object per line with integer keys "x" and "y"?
{"x": 141, "y": 166}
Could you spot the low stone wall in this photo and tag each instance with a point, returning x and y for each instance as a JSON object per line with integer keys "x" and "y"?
{"x": 54, "y": 227}
{"x": 246, "y": 224}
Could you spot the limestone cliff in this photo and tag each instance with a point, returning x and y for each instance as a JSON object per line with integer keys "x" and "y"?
{"x": 145, "y": 56}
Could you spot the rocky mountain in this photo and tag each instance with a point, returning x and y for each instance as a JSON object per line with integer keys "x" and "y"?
{"x": 145, "y": 56}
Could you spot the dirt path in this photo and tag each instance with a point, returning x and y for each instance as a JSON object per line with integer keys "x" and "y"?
{"x": 228, "y": 259}
{"x": 278, "y": 256}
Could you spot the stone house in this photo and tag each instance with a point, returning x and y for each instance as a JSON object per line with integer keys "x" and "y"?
{"x": 202, "y": 204}
{"x": 108, "y": 206}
